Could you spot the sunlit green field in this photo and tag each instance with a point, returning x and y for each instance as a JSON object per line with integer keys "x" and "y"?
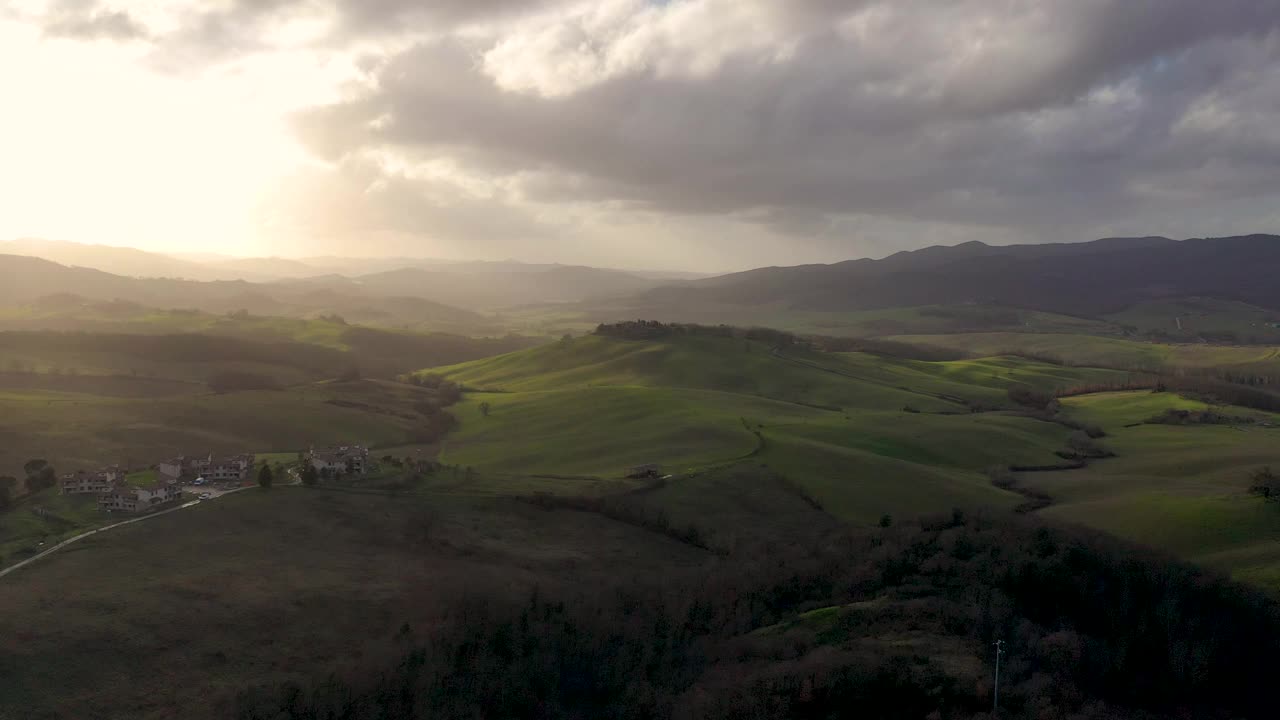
{"x": 865, "y": 435}
{"x": 838, "y": 426}
{"x": 1180, "y": 488}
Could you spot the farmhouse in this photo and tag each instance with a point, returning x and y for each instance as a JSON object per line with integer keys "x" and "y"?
{"x": 233, "y": 468}
{"x": 183, "y": 468}
{"x": 124, "y": 498}
{"x": 83, "y": 483}
{"x": 341, "y": 459}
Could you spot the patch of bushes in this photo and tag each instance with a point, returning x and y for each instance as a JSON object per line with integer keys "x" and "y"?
{"x": 1027, "y": 396}
{"x": 1197, "y": 417}
{"x": 896, "y": 622}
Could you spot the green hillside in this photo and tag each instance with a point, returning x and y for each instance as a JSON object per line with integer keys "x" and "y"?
{"x": 81, "y": 430}
{"x": 1183, "y": 488}
{"x": 1103, "y": 351}
{"x": 864, "y": 435}
{"x": 753, "y": 368}
{"x": 1190, "y": 319}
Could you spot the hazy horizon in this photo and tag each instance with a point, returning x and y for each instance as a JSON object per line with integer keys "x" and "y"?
{"x": 699, "y": 135}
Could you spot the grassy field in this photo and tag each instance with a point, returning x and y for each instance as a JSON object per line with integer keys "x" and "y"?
{"x": 45, "y": 519}
{"x": 1191, "y": 318}
{"x": 1179, "y": 488}
{"x": 764, "y": 446}
{"x": 837, "y": 424}
{"x": 170, "y": 617}
{"x": 78, "y": 430}
{"x": 1089, "y": 350}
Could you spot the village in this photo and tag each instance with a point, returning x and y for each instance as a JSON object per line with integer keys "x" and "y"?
{"x": 200, "y": 475}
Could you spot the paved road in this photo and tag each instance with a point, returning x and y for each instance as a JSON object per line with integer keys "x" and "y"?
{"x": 122, "y": 523}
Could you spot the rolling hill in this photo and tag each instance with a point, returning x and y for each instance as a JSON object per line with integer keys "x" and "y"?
{"x": 129, "y": 262}
{"x": 865, "y": 434}
{"x": 870, "y": 435}
{"x": 1081, "y": 279}
{"x": 483, "y": 286}
{"x": 38, "y": 290}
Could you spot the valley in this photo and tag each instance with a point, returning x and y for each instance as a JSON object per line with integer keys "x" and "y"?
{"x": 870, "y": 487}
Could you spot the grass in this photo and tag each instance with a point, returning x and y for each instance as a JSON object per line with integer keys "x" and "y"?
{"x": 23, "y": 532}
{"x": 1192, "y": 318}
{"x": 1090, "y": 350}
{"x": 852, "y": 380}
{"x": 277, "y": 458}
{"x": 835, "y": 424}
{"x": 607, "y": 430}
{"x": 1179, "y": 488}
{"x": 260, "y": 586}
{"x": 76, "y": 430}
{"x": 142, "y": 478}
{"x": 172, "y": 616}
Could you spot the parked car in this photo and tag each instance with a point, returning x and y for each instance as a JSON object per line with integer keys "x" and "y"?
{"x": 205, "y": 496}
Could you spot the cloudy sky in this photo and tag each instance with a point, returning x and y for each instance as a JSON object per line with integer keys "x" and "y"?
{"x": 700, "y": 134}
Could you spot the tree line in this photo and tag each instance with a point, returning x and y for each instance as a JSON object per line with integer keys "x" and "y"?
{"x": 894, "y": 622}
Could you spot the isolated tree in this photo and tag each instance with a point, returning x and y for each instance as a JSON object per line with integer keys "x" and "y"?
{"x": 265, "y": 476}
{"x": 1266, "y": 483}
{"x": 484, "y": 408}
{"x": 7, "y": 486}
{"x": 309, "y": 475}
{"x": 40, "y": 475}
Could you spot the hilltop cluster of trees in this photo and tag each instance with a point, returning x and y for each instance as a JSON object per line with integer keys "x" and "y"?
{"x": 889, "y": 348}
{"x": 652, "y": 330}
{"x": 904, "y": 624}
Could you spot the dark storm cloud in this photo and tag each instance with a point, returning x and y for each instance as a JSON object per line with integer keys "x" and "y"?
{"x": 1062, "y": 112}
{"x": 840, "y": 126}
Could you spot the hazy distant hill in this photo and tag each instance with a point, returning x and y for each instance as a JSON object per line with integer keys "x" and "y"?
{"x": 1088, "y": 279}
{"x": 27, "y": 280}
{"x": 126, "y": 261}
{"x": 272, "y": 267}
{"x": 494, "y": 288}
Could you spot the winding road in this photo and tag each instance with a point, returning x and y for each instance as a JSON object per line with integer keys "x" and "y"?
{"x": 105, "y": 528}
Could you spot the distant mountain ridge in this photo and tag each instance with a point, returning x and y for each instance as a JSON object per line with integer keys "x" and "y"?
{"x": 29, "y": 280}
{"x": 468, "y": 283}
{"x": 1088, "y": 279}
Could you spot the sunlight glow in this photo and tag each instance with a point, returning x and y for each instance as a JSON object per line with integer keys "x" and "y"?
{"x": 98, "y": 148}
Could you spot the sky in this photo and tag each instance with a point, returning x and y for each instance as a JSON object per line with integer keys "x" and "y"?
{"x": 709, "y": 135}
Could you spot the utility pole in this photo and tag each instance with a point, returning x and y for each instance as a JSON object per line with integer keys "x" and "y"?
{"x": 995, "y": 705}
